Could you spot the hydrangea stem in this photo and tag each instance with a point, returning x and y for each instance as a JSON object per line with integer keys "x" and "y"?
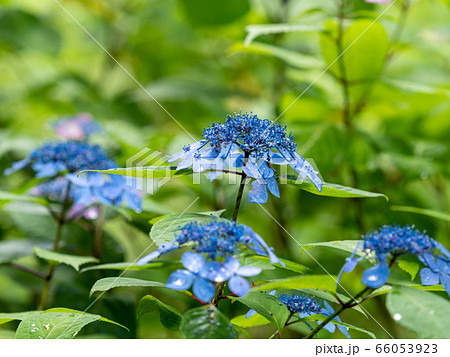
{"x": 344, "y": 307}
{"x": 61, "y": 220}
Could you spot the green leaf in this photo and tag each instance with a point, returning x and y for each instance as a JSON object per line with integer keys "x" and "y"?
{"x": 331, "y": 189}
{"x": 216, "y": 213}
{"x": 438, "y": 287}
{"x": 53, "y": 325}
{"x": 292, "y": 58}
{"x": 106, "y": 284}
{"x": 324, "y": 282}
{"x": 420, "y": 311}
{"x": 267, "y": 306}
{"x": 323, "y": 318}
{"x": 164, "y": 230}
{"x": 17, "y": 248}
{"x": 412, "y": 268}
{"x": 345, "y": 245}
{"x": 213, "y": 12}
{"x": 292, "y": 266}
{"x": 206, "y": 322}
{"x": 170, "y": 317}
{"x": 253, "y": 31}
{"x": 147, "y": 172}
{"x": 9, "y": 196}
{"x": 425, "y": 212}
{"x": 11, "y": 316}
{"x": 252, "y": 321}
{"x": 133, "y": 266}
{"x": 366, "y": 43}
{"x": 57, "y": 258}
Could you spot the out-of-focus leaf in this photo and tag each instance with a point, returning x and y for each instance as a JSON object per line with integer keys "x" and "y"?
{"x": 324, "y": 282}
{"x": 147, "y": 172}
{"x": 214, "y": 12}
{"x": 17, "y": 248}
{"x": 420, "y": 311}
{"x": 56, "y": 258}
{"x": 206, "y": 322}
{"x": 292, "y": 58}
{"x": 9, "y": 196}
{"x": 170, "y": 317}
{"x": 132, "y": 266}
{"x": 426, "y": 212}
{"x": 254, "y": 31}
{"x": 106, "y": 284}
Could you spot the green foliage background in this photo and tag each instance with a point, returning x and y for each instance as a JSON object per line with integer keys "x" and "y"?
{"x": 386, "y": 129}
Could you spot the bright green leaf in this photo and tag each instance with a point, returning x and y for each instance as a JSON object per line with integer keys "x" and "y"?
{"x": 292, "y": 266}
{"x": 412, "y": 268}
{"x": 324, "y": 282}
{"x": 426, "y": 212}
{"x": 133, "y": 266}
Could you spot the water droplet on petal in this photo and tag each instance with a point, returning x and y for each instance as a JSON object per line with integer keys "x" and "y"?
{"x": 397, "y": 317}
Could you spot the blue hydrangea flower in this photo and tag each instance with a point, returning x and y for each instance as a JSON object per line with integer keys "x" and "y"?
{"x": 59, "y": 162}
{"x": 305, "y": 305}
{"x": 247, "y": 142}
{"x": 202, "y": 275}
{"x": 389, "y": 242}
{"x": 79, "y": 127}
{"x": 218, "y": 238}
{"x": 215, "y": 245}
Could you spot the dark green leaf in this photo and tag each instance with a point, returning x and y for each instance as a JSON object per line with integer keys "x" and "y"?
{"x": 57, "y": 258}
{"x": 206, "y": 322}
{"x": 170, "y": 317}
{"x": 106, "y": 284}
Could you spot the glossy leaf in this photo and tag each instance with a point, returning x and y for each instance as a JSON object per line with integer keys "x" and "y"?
{"x": 133, "y": 266}
{"x": 267, "y": 306}
{"x": 206, "y": 322}
{"x": 289, "y": 265}
{"x": 420, "y": 311}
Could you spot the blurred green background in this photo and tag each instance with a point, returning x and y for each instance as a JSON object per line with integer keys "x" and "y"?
{"x": 384, "y": 127}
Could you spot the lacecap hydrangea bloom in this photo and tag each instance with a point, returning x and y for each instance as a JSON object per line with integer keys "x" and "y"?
{"x": 252, "y": 144}
{"x": 215, "y": 247}
{"x": 59, "y": 163}
{"x": 305, "y": 305}
{"x": 390, "y": 242}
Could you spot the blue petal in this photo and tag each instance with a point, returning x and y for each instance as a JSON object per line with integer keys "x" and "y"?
{"x": 149, "y": 258}
{"x": 272, "y": 185}
{"x": 428, "y": 277}
{"x": 328, "y": 307}
{"x": 134, "y": 200}
{"x": 215, "y": 271}
{"x": 180, "y": 280}
{"x": 193, "y": 261}
{"x": 376, "y": 276}
{"x": 184, "y": 164}
{"x": 17, "y": 166}
{"x": 442, "y": 249}
{"x": 445, "y": 281}
{"x": 329, "y": 326}
{"x": 428, "y": 259}
{"x": 232, "y": 265}
{"x": 204, "y": 289}
{"x": 344, "y": 330}
{"x": 258, "y": 193}
{"x": 251, "y": 170}
{"x": 48, "y": 169}
{"x": 248, "y": 271}
{"x": 238, "y": 285}
{"x": 250, "y": 313}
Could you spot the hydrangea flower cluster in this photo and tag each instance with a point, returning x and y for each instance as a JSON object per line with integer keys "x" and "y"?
{"x": 215, "y": 245}
{"x": 79, "y": 127}
{"x": 305, "y": 305}
{"x": 389, "y": 242}
{"x": 59, "y": 162}
{"x": 247, "y": 142}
